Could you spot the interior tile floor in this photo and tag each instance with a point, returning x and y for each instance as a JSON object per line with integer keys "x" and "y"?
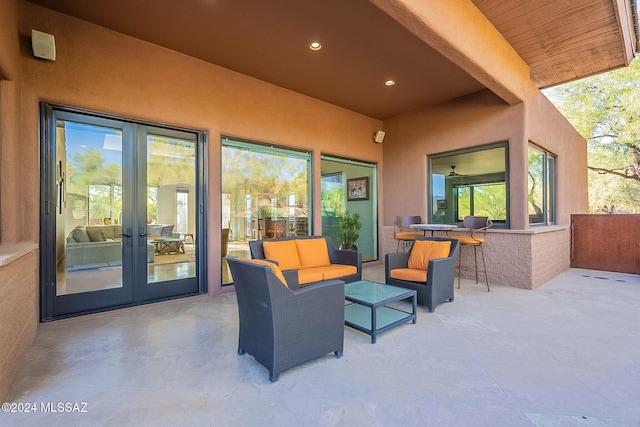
{"x": 566, "y": 354}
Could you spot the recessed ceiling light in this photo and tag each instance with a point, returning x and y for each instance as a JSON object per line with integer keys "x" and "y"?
{"x": 389, "y": 83}
{"x": 315, "y": 46}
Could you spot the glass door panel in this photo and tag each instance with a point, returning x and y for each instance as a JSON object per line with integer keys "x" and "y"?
{"x": 265, "y": 194}
{"x": 170, "y": 208}
{"x": 337, "y": 173}
{"x": 89, "y": 180}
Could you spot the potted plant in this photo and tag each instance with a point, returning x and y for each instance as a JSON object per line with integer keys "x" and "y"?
{"x": 350, "y": 226}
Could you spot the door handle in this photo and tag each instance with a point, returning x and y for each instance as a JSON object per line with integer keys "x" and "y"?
{"x": 124, "y": 234}
{"x": 144, "y": 234}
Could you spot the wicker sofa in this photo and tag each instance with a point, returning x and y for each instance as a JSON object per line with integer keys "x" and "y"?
{"x": 309, "y": 259}
{"x": 97, "y": 246}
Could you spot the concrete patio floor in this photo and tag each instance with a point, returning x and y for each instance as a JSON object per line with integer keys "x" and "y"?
{"x": 566, "y": 354}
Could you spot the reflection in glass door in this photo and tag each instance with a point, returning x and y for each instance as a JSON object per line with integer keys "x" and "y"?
{"x": 170, "y": 218}
{"x": 121, "y": 213}
{"x": 90, "y": 205}
{"x": 265, "y": 194}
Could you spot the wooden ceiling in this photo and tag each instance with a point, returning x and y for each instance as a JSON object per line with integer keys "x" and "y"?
{"x": 362, "y": 46}
{"x": 564, "y": 40}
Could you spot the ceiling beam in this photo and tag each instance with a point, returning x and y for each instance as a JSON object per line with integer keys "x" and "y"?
{"x": 461, "y": 33}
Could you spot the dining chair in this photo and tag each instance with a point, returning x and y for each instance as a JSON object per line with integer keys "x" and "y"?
{"x": 402, "y": 231}
{"x": 477, "y": 226}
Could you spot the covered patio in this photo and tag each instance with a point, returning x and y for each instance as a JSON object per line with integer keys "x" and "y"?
{"x": 564, "y": 354}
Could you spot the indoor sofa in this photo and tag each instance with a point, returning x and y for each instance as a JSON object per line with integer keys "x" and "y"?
{"x": 309, "y": 259}
{"x": 97, "y": 246}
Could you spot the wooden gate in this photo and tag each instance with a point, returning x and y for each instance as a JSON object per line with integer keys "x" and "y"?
{"x": 606, "y": 242}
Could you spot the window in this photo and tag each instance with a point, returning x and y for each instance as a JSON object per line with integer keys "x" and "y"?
{"x": 469, "y": 182}
{"x": 265, "y": 194}
{"x": 542, "y": 186}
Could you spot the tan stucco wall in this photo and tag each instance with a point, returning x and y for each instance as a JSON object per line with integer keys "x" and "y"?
{"x": 482, "y": 119}
{"x": 474, "y": 120}
{"x": 19, "y": 279}
{"x": 9, "y": 47}
{"x": 521, "y": 260}
{"x": 547, "y": 128}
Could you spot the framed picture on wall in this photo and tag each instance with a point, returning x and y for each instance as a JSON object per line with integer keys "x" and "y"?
{"x": 358, "y": 189}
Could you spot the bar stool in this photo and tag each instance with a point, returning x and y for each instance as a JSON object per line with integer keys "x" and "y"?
{"x": 400, "y": 228}
{"x": 476, "y": 225}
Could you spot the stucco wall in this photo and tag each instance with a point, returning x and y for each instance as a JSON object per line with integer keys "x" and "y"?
{"x": 9, "y": 47}
{"x": 474, "y": 120}
{"x": 18, "y": 280}
{"x": 547, "y": 128}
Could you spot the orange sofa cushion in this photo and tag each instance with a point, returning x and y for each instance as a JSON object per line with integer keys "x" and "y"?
{"x": 285, "y": 252}
{"x": 425, "y": 250}
{"x": 309, "y": 275}
{"x": 312, "y": 252}
{"x": 409, "y": 274}
{"x": 333, "y": 271}
{"x": 274, "y": 267}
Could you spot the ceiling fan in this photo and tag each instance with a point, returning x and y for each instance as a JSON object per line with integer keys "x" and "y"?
{"x": 453, "y": 172}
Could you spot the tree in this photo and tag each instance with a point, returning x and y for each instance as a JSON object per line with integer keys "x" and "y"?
{"x": 605, "y": 109}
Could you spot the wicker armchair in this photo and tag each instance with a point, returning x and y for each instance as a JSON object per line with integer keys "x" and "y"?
{"x": 282, "y": 328}
{"x": 438, "y": 286}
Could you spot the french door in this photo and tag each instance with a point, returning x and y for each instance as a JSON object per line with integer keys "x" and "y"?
{"x": 122, "y": 217}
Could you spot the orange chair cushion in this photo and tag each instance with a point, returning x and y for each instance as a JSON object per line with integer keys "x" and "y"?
{"x": 309, "y": 275}
{"x": 468, "y": 240}
{"x": 407, "y": 235}
{"x": 312, "y": 252}
{"x": 285, "y": 252}
{"x": 425, "y": 250}
{"x": 334, "y": 271}
{"x": 274, "y": 267}
{"x": 409, "y": 274}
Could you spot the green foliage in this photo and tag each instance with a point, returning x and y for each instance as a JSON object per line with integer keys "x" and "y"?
{"x": 605, "y": 109}
{"x": 350, "y": 226}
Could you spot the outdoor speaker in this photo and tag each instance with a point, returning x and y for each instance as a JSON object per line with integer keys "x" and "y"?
{"x": 43, "y": 45}
{"x": 378, "y": 136}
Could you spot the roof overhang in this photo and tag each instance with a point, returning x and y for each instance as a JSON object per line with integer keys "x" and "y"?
{"x": 367, "y": 42}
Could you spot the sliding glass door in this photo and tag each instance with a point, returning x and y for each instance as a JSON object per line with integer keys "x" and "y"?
{"x": 265, "y": 194}
{"x": 120, "y": 221}
{"x": 350, "y": 186}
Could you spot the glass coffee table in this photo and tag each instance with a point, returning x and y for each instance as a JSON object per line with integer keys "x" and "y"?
{"x": 369, "y": 312}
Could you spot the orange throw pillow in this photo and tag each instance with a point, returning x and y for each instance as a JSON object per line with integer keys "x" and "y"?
{"x": 285, "y": 252}
{"x": 425, "y": 250}
{"x": 276, "y": 270}
{"x": 313, "y": 252}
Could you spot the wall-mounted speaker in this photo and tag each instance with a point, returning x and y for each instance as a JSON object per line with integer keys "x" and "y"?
{"x": 378, "y": 136}
{"x": 43, "y": 45}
